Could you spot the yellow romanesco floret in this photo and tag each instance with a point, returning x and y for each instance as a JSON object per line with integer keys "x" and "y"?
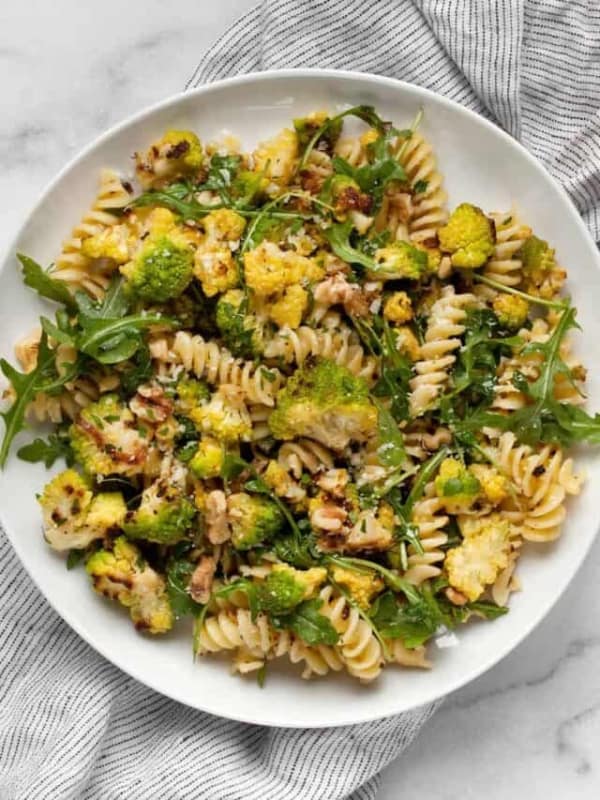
{"x": 310, "y": 579}
{"x": 478, "y": 560}
{"x": 224, "y": 417}
{"x": 287, "y": 311}
{"x": 160, "y": 221}
{"x": 216, "y": 270}
{"x": 362, "y": 586}
{"x": 469, "y": 237}
{"x": 223, "y": 225}
{"x": 434, "y": 256}
{"x": 398, "y": 308}
{"x": 456, "y": 485}
{"x": 407, "y": 343}
{"x": 493, "y": 484}
{"x": 208, "y": 459}
{"x": 368, "y": 137}
{"x": 512, "y": 311}
{"x": 277, "y": 478}
{"x": 215, "y": 265}
{"x": 108, "y": 510}
{"x": 184, "y": 146}
{"x": 113, "y": 243}
{"x": 268, "y": 269}
{"x": 277, "y": 157}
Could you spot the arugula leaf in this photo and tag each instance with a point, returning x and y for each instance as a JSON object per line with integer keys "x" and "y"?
{"x": 425, "y": 474}
{"x": 25, "y": 386}
{"x": 139, "y": 371}
{"x": 395, "y": 375}
{"x": 105, "y": 332}
{"x": 297, "y": 548}
{"x": 308, "y": 623}
{"x": 74, "y": 558}
{"x": 372, "y": 178}
{"x": 44, "y": 284}
{"x": 57, "y": 446}
{"x": 544, "y": 419}
{"x": 338, "y": 236}
{"x": 233, "y": 466}
{"x": 414, "y": 622}
{"x": 390, "y": 449}
{"x": 485, "y": 343}
{"x": 333, "y": 124}
{"x": 487, "y": 610}
{"x": 179, "y": 572}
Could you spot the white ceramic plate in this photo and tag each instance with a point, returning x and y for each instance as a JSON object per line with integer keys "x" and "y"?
{"x": 481, "y": 164}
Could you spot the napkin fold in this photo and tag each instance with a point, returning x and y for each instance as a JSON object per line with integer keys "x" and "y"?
{"x": 72, "y": 726}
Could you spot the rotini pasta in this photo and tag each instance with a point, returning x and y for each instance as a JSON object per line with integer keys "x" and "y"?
{"x": 315, "y": 410}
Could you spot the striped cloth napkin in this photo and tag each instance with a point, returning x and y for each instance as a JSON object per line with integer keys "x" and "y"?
{"x": 73, "y": 727}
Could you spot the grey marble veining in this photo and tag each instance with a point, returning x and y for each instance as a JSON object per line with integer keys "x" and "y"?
{"x": 529, "y": 728}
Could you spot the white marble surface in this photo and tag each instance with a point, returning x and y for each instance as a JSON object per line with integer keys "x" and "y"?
{"x": 68, "y": 70}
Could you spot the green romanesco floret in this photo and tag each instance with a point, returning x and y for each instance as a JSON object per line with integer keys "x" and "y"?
{"x": 106, "y": 439}
{"x": 162, "y": 270}
{"x": 481, "y": 556}
{"x": 224, "y": 417}
{"x": 254, "y": 519}
{"x": 511, "y": 311}
{"x": 363, "y": 586}
{"x": 285, "y": 587}
{"x": 164, "y": 515}
{"x": 189, "y": 394}
{"x": 238, "y": 326}
{"x": 326, "y": 402}
{"x": 400, "y": 260}
{"x": 122, "y": 574}
{"x": 456, "y": 484}
{"x": 468, "y": 236}
{"x": 208, "y": 459}
{"x": 536, "y": 255}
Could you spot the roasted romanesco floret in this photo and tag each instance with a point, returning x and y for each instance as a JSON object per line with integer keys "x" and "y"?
{"x": 122, "y": 574}
{"x": 208, "y": 459}
{"x": 73, "y": 517}
{"x": 165, "y": 513}
{"x": 189, "y": 394}
{"x": 269, "y": 270}
{"x": 541, "y": 274}
{"x": 162, "y": 270}
{"x": 254, "y": 519}
{"x": 398, "y": 308}
{"x": 112, "y": 243}
{"x": 215, "y": 266}
{"x": 106, "y": 438}
{"x": 363, "y": 586}
{"x": 407, "y": 343}
{"x": 400, "y": 260}
{"x": 456, "y": 484}
{"x": 494, "y": 486}
{"x": 225, "y": 417}
{"x": 511, "y": 311}
{"x": 285, "y": 587}
{"x": 326, "y": 402}
{"x": 176, "y": 154}
{"x": 481, "y": 556}
{"x": 288, "y": 310}
{"x": 239, "y": 327}
{"x": 468, "y": 236}
{"x": 276, "y": 158}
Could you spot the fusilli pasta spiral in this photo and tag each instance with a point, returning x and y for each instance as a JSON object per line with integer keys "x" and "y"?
{"x": 216, "y": 364}
{"x": 429, "y": 211}
{"x": 436, "y": 355}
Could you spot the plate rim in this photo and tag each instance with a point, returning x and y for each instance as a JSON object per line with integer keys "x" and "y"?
{"x": 419, "y": 93}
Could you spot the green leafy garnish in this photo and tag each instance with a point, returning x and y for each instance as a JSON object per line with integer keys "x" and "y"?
{"x": 179, "y": 572}
{"x": 44, "y": 284}
{"x": 308, "y": 623}
{"x": 48, "y": 451}
{"x": 545, "y": 419}
{"x": 338, "y": 236}
{"x": 25, "y": 386}
{"x": 390, "y": 450}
